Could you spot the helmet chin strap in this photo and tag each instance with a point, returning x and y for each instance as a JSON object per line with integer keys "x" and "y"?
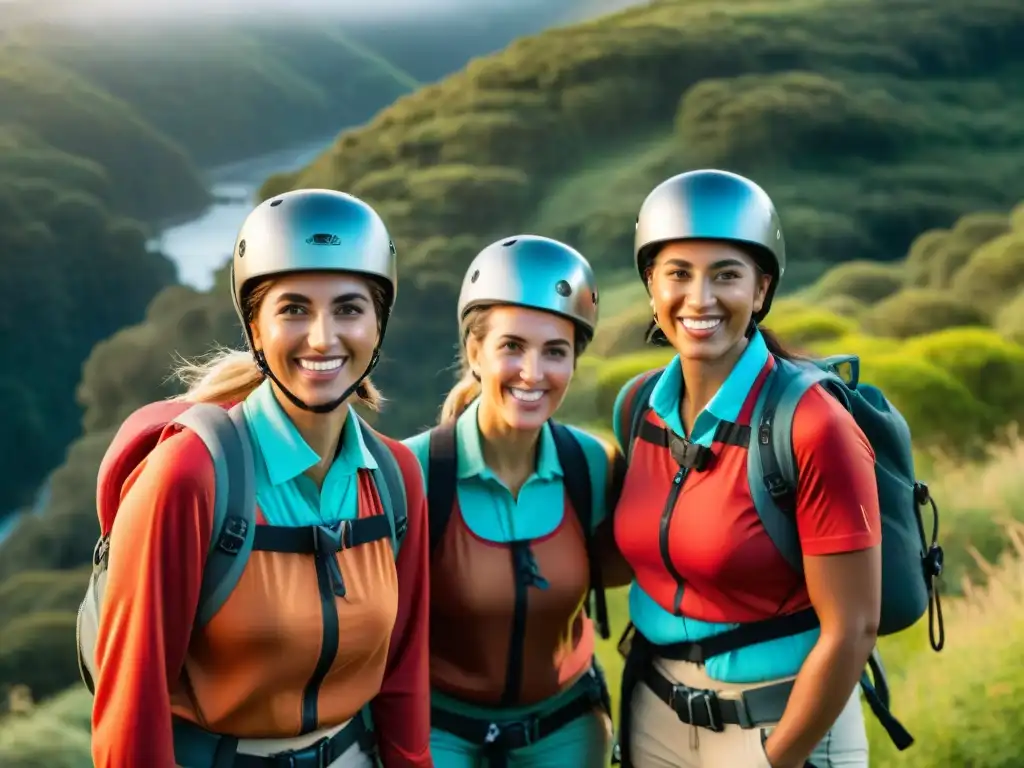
{"x": 329, "y": 407}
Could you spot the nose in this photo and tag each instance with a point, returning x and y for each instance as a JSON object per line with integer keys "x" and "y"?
{"x": 320, "y": 336}
{"x": 530, "y": 370}
{"x": 701, "y": 294}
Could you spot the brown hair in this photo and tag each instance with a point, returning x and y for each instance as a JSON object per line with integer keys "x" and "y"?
{"x": 467, "y": 387}
{"x": 231, "y": 375}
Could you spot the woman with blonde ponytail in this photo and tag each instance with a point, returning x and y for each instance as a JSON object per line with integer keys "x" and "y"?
{"x": 263, "y": 565}
{"x": 520, "y": 523}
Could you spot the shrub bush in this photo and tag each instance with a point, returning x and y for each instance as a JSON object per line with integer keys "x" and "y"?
{"x": 623, "y": 333}
{"x": 35, "y": 591}
{"x": 855, "y": 344}
{"x": 936, "y": 256}
{"x": 1017, "y": 217}
{"x": 1010, "y": 322}
{"x": 38, "y": 650}
{"x": 994, "y": 273}
{"x": 787, "y": 117}
{"x": 866, "y": 281}
{"x": 798, "y": 329}
{"x": 939, "y": 409}
{"x": 989, "y": 366}
{"x": 580, "y": 403}
{"x": 844, "y": 306}
{"x": 917, "y": 311}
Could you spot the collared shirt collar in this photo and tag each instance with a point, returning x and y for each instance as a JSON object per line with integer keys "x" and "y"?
{"x": 728, "y": 400}
{"x": 471, "y": 453}
{"x": 285, "y": 454}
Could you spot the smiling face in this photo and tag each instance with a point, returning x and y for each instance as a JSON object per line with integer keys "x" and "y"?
{"x": 525, "y": 362}
{"x": 317, "y": 332}
{"x": 704, "y": 294}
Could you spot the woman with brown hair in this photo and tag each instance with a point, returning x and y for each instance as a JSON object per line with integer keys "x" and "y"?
{"x": 278, "y": 631}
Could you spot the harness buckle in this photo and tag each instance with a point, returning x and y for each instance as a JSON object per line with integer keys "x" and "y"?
{"x": 313, "y": 756}
{"x": 232, "y": 537}
{"x": 515, "y": 735}
{"x": 688, "y": 703}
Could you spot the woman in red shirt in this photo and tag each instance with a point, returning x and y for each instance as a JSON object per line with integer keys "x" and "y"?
{"x": 710, "y": 251}
{"x": 325, "y": 626}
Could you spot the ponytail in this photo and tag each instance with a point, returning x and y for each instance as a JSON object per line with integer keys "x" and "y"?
{"x": 467, "y": 388}
{"x": 465, "y": 391}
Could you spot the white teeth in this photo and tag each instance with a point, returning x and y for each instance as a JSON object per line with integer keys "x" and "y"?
{"x": 527, "y": 395}
{"x": 701, "y": 325}
{"x": 321, "y": 365}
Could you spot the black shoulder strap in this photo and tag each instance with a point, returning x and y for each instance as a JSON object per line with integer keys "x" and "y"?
{"x": 578, "y": 484}
{"x": 442, "y": 475}
{"x": 639, "y": 407}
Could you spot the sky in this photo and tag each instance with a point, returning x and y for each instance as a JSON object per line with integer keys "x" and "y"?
{"x": 197, "y": 9}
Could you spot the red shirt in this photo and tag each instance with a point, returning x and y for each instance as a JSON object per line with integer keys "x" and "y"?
{"x": 731, "y": 571}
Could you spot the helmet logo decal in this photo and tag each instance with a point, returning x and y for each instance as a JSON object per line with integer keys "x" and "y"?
{"x": 475, "y": 277}
{"x": 323, "y": 238}
{"x": 563, "y": 288}
{"x": 241, "y": 249}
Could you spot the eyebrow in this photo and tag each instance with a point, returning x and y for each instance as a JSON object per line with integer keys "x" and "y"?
{"x": 721, "y": 263}
{"x": 298, "y": 298}
{"x": 521, "y": 340}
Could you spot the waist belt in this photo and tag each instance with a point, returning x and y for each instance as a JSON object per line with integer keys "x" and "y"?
{"x": 706, "y": 709}
{"x": 498, "y": 739}
{"x": 191, "y": 742}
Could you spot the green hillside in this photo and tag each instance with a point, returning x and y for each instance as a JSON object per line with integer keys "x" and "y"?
{"x": 120, "y": 120}
{"x": 867, "y": 121}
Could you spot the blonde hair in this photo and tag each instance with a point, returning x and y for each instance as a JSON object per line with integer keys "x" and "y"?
{"x": 230, "y": 375}
{"x": 467, "y": 388}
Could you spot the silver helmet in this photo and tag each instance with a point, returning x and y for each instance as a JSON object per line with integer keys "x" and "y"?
{"x": 536, "y": 272}
{"x": 313, "y": 230}
{"x": 712, "y": 205}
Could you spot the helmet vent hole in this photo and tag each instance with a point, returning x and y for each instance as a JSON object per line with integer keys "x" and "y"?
{"x": 507, "y": 243}
{"x": 276, "y": 203}
{"x": 475, "y": 277}
{"x": 562, "y": 288}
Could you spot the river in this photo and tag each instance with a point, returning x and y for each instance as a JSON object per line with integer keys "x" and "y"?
{"x": 201, "y": 246}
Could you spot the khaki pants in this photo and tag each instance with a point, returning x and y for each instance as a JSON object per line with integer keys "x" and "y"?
{"x": 353, "y": 757}
{"x": 661, "y": 740}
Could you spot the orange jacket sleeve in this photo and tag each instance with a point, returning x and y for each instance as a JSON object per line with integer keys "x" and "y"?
{"x": 401, "y": 711}
{"x": 158, "y": 549}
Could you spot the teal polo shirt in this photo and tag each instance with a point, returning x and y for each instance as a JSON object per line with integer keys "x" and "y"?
{"x": 487, "y": 505}
{"x": 285, "y": 495}
{"x": 757, "y": 663}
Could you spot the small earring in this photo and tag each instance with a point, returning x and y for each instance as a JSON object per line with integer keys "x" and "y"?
{"x": 476, "y": 375}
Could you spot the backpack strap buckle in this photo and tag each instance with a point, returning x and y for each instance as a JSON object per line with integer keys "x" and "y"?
{"x": 232, "y": 536}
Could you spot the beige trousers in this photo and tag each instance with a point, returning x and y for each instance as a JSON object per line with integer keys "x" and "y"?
{"x": 661, "y": 740}
{"x": 353, "y": 757}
